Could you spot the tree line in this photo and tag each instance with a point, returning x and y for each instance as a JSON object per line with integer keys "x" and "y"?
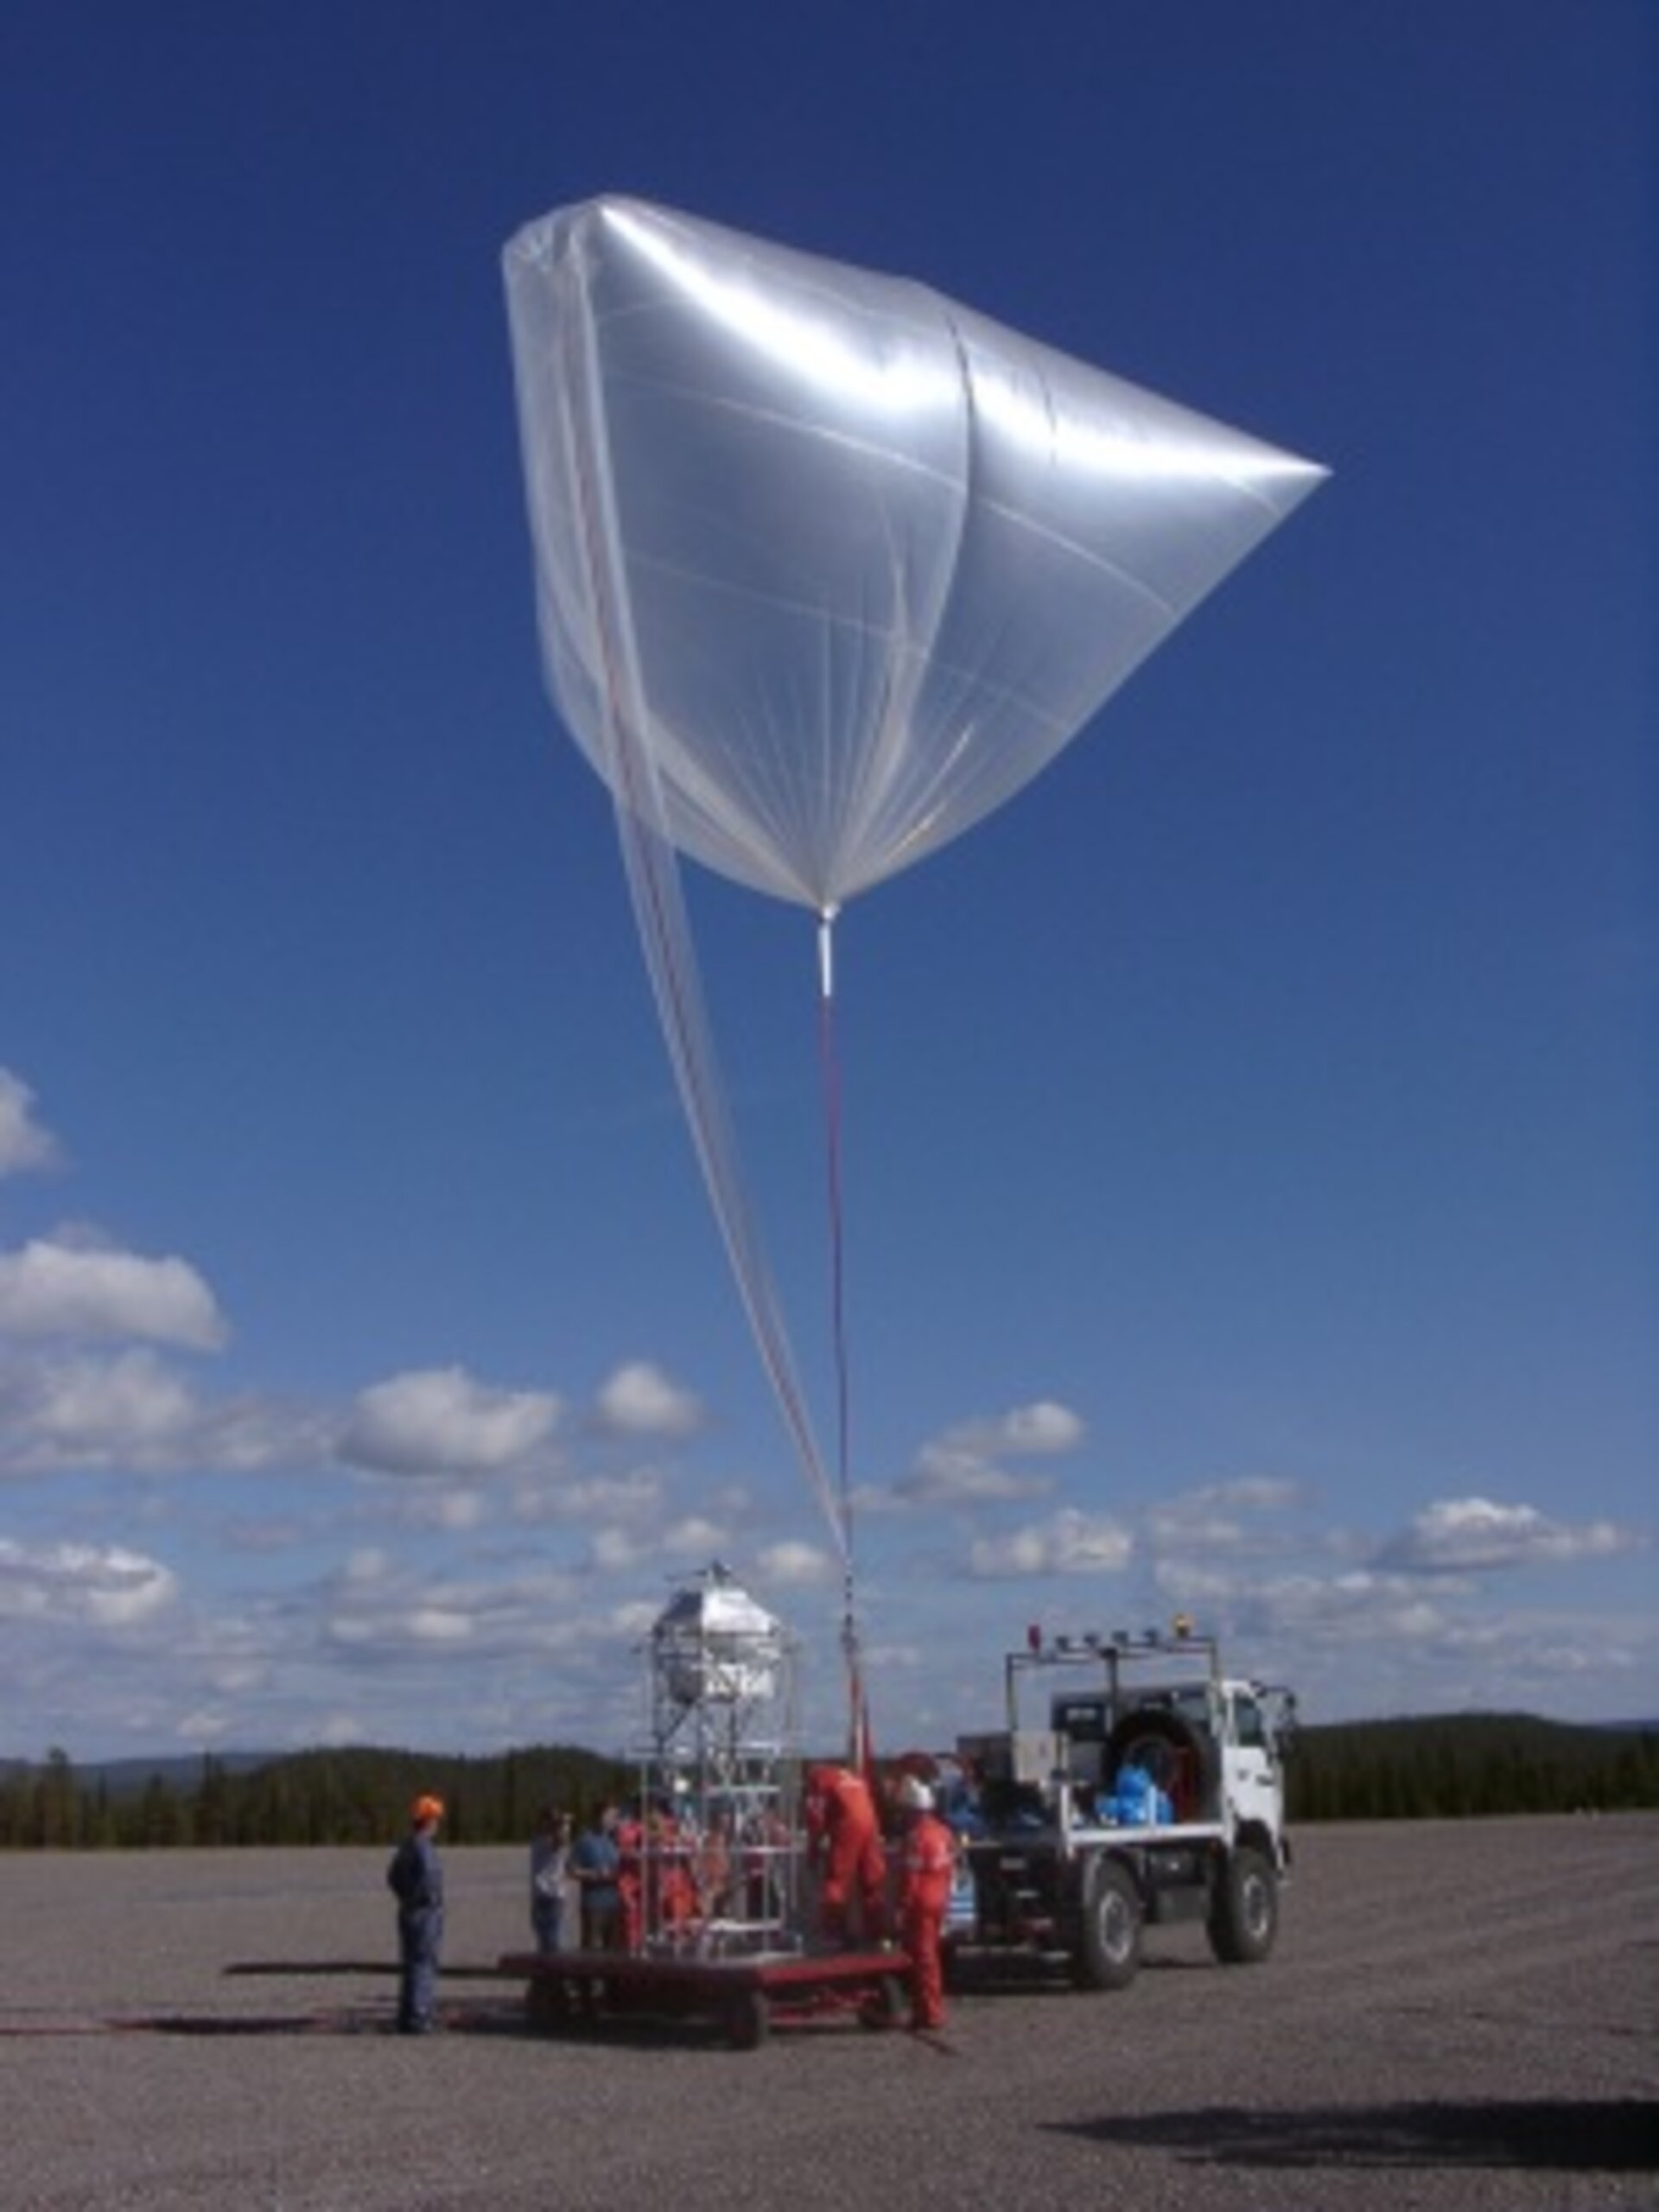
{"x": 1465, "y": 1766}
{"x": 1470, "y": 1765}
{"x": 358, "y": 1796}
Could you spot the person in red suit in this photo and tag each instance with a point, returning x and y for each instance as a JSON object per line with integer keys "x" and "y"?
{"x": 845, "y": 1844}
{"x": 631, "y": 1878}
{"x": 924, "y": 1896}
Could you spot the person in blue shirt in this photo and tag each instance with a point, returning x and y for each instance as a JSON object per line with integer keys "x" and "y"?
{"x": 416, "y": 1878}
{"x": 595, "y": 1861}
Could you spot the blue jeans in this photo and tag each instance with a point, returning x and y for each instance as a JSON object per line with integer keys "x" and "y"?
{"x": 420, "y": 1938}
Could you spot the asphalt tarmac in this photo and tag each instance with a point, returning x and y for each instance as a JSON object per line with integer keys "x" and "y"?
{"x": 1458, "y": 2016}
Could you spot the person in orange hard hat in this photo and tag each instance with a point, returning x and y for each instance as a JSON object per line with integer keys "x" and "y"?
{"x": 844, "y": 1846}
{"x": 924, "y": 1875}
{"x": 415, "y": 1879}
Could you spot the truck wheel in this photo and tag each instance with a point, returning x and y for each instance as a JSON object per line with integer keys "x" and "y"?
{"x": 1108, "y": 1948}
{"x": 1244, "y": 1917}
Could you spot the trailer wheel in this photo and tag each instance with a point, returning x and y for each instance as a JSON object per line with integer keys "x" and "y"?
{"x": 1245, "y": 1916}
{"x": 884, "y": 2005}
{"x": 547, "y": 2002}
{"x": 1108, "y": 1948}
{"x": 748, "y": 2018}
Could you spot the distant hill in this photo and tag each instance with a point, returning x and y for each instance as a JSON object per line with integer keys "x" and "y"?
{"x": 131, "y": 1777}
{"x": 1459, "y": 1765}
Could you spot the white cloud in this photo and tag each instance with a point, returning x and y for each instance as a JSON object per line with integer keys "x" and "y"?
{"x": 131, "y": 1411}
{"x": 1215, "y": 1516}
{"x": 439, "y": 1624}
{"x": 636, "y": 1496}
{"x": 696, "y": 1537}
{"x": 1309, "y": 1611}
{"x": 24, "y": 1143}
{"x": 340, "y": 1731}
{"x": 1068, "y": 1542}
{"x": 454, "y": 1512}
{"x": 639, "y": 1400}
{"x": 375, "y": 1612}
{"x": 1037, "y": 1431}
{"x": 947, "y": 1475}
{"x": 617, "y": 1550}
{"x": 792, "y": 1563}
{"x": 1468, "y": 1534}
{"x": 99, "y": 1586}
{"x": 963, "y": 1466}
{"x": 82, "y": 1411}
{"x": 440, "y": 1421}
{"x": 208, "y": 1724}
{"x": 63, "y": 1288}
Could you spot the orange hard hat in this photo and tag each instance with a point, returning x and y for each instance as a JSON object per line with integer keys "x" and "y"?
{"x": 426, "y": 1808}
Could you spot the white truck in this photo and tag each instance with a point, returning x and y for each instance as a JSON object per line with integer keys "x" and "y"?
{"x": 1152, "y": 1791}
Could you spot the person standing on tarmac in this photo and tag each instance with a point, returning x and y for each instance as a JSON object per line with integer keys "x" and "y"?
{"x": 595, "y": 1863}
{"x": 924, "y": 1897}
{"x": 844, "y": 1845}
{"x": 416, "y": 1878}
{"x": 549, "y": 1853}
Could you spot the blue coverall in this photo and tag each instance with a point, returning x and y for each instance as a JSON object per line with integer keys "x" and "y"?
{"x": 418, "y": 1879}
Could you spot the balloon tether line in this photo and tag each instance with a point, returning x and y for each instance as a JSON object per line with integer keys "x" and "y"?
{"x": 858, "y": 1714}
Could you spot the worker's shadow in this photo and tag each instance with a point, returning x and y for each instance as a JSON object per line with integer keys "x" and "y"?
{"x": 356, "y": 2016}
{"x": 1609, "y": 2136}
{"x": 499, "y": 2009}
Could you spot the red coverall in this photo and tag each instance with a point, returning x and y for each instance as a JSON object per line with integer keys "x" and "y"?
{"x": 924, "y": 1897}
{"x": 847, "y": 1843}
{"x": 630, "y": 1884}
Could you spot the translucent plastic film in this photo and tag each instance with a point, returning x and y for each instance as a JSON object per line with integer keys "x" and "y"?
{"x": 852, "y": 563}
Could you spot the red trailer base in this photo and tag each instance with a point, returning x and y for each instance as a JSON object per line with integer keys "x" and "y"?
{"x": 747, "y": 1997}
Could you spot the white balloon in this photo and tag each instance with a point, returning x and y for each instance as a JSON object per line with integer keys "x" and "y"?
{"x": 850, "y": 563}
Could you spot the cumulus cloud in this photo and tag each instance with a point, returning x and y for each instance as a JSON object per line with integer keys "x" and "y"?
{"x": 964, "y": 1464}
{"x": 794, "y": 1564}
{"x": 1474, "y": 1534}
{"x": 451, "y": 1511}
{"x": 1302, "y": 1610}
{"x": 946, "y": 1476}
{"x": 25, "y": 1144}
{"x": 1024, "y": 1431}
{"x": 1068, "y": 1542}
{"x": 133, "y": 1412}
{"x": 63, "y": 1288}
{"x": 639, "y": 1400}
{"x": 1222, "y": 1517}
{"x": 693, "y": 1541}
{"x": 441, "y": 1421}
{"x": 130, "y": 1411}
{"x": 89, "y": 1585}
{"x": 636, "y": 1496}
{"x": 374, "y": 1612}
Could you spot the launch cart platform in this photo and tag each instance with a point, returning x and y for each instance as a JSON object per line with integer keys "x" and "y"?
{"x": 746, "y": 1995}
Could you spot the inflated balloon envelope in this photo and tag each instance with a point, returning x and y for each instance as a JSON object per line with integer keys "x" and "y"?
{"x": 827, "y": 568}
{"x": 847, "y": 561}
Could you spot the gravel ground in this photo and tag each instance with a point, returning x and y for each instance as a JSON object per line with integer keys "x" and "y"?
{"x": 1458, "y": 2016}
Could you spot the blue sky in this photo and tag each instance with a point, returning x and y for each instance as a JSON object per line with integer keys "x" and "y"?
{"x": 1248, "y": 1131}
